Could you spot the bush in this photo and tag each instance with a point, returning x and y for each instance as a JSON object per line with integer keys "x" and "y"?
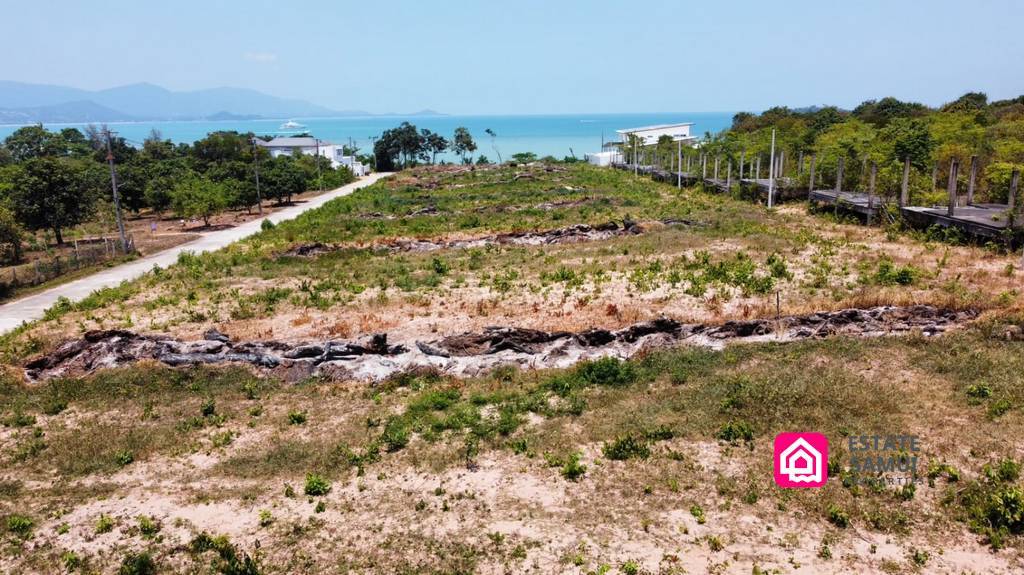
{"x": 124, "y": 457}
{"x": 735, "y": 431}
{"x": 608, "y": 371}
{"x": 890, "y": 274}
{"x": 317, "y": 485}
{"x": 20, "y": 525}
{"x": 838, "y": 517}
{"x": 105, "y": 524}
{"x": 137, "y": 564}
{"x": 573, "y": 470}
{"x": 148, "y": 526}
{"x": 698, "y": 513}
{"x": 229, "y": 560}
{"x": 627, "y": 447}
{"x": 266, "y": 225}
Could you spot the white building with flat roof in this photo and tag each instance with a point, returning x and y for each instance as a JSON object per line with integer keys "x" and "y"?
{"x": 649, "y": 135}
{"x": 310, "y": 146}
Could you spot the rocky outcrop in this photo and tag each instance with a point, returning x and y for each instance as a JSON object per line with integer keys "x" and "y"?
{"x": 571, "y": 234}
{"x": 472, "y": 353}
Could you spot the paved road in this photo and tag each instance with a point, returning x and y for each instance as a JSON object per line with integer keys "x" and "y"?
{"x": 30, "y": 308}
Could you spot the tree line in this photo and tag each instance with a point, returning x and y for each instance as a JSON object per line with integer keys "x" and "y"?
{"x": 55, "y": 180}
{"x": 886, "y": 132}
{"x": 405, "y": 146}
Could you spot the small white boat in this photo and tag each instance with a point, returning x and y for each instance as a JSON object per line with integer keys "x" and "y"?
{"x": 291, "y": 125}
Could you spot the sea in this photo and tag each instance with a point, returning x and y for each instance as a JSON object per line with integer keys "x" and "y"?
{"x": 554, "y": 135}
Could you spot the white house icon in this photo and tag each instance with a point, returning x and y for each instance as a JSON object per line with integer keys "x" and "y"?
{"x": 801, "y": 462}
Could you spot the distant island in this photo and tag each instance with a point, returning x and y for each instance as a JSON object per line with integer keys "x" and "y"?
{"x": 23, "y": 103}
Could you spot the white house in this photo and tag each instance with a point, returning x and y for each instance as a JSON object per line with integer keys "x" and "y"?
{"x": 649, "y": 135}
{"x": 311, "y": 147}
{"x": 605, "y": 158}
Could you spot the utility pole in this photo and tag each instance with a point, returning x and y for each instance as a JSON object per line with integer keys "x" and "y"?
{"x": 318, "y": 176}
{"x": 256, "y": 170}
{"x": 771, "y": 171}
{"x": 117, "y": 197}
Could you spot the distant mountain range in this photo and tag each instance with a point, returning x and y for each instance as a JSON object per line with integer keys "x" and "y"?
{"x": 22, "y": 103}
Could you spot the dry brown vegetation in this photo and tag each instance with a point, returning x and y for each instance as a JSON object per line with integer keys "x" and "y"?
{"x": 658, "y": 464}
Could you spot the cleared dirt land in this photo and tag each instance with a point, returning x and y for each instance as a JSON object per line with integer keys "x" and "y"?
{"x": 554, "y": 392}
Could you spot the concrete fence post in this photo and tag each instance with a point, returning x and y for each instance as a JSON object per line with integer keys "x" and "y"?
{"x": 971, "y": 179}
{"x": 905, "y": 187}
{"x": 810, "y": 181}
{"x": 951, "y": 187}
{"x": 839, "y": 183}
{"x": 871, "y": 190}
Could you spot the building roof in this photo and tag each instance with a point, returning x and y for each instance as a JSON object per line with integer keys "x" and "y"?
{"x": 292, "y": 143}
{"x": 654, "y": 128}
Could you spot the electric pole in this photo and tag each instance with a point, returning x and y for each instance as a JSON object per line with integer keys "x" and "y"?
{"x": 318, "y": 177}
{"x": 117, "y": 197}
{"x": 256, "y": 169}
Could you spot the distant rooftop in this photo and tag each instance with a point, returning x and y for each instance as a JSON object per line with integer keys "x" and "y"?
{"x": 292, "y": 143}
{"x": 653, "y": 128}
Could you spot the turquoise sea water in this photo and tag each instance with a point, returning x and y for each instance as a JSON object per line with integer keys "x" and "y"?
{"x": 556, "y": 135}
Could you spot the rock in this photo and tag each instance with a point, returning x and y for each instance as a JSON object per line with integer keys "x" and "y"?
{"x": 372, "y": 357}
{"x": 213, "y": 334}
{"x": 595, "y": 337}
{"x": 304, "y": 351}
{"x": 1011, "y": 333}
{"x": 428, "y": 349}
{"x": 660, "y": 325}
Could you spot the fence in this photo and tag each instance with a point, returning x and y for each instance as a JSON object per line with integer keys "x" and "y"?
{"x": 85, "y": 253}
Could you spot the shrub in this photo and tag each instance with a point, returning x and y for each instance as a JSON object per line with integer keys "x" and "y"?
{"x": 979, "y": 391}
{"x": 229, "y": 560}
{"x": 148, "y": 526}
{"x": 266, "y": 225}
{"x": 626, "y": 447}
{"x": 296, "y": 417}
{"x": 838, "y": 517}
{"x": 20, "y": 525}
{"x": 999, "y": 408}
{"x": 698, "y": 513}
{"x": 919, "y": 557}
{"x": 71, "y": 560}
{"x": 573, "y": 469}
{"x": 606, "y": 371}
{"x": 105, "y": 524}
{"x": 735, "y": 431}
{"x": 316, "y": 485}
{"x": 137, "y": 564}
{"x": 124, "y": 457}
{"x": 266, "y": 518}
{"x": 891, "y": 274}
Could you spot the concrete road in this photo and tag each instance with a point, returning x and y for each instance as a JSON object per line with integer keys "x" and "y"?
{"x": 31, "y": 308}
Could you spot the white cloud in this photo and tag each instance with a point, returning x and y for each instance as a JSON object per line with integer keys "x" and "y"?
{"x": 261, "y": 57}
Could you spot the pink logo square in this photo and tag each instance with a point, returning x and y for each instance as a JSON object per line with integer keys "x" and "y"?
{"x": 801, "y": 460}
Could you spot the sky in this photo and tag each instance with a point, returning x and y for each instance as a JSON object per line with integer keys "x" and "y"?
{"x": 528, "y": 56}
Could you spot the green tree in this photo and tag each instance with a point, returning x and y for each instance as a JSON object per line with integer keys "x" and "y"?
{"x": 494, "y": 144}
{"x": 10, "y": 238}
{"x": 31, "y": 142}
{"x": 283, "y": 177}
{"x": 54, "y": 194}
{"x": 433, "y": 143}
{"x": 524, "y": 157}
{"x": 463, "y": 144}
{"x": 910, "y": 138}
{"x": 199, "y": 197}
